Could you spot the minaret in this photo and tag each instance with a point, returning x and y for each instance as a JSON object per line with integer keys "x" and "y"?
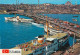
{"x": 38, "y": 2}
{"x": 71, "y": 1}
{"x": 75, "y": 2}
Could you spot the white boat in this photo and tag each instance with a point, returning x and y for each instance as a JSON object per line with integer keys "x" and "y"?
{"x": 18, "y": 19}
{"x": 44, "y": 45}
{"x": 51, "y": 30}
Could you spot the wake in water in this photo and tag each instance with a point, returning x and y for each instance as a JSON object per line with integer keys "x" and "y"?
{"x": 38, "y": 25}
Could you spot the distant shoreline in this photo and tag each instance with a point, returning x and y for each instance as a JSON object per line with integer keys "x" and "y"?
{"x": 46, "y": 13}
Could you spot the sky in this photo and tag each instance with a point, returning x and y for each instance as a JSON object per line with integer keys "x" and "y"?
{"x": 36, "y": 1}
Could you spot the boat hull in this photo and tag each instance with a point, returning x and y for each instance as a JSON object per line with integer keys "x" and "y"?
{"x": 18, "y": 20}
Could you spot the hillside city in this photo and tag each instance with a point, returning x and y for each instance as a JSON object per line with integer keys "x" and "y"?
{"x": 46, "y": 8}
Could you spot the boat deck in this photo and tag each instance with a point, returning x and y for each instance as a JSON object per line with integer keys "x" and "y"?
{"x": 58, "y": 35}
{"x": 30, "y": 47}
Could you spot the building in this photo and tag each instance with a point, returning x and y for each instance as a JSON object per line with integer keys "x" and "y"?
{"x": 20, "y": 11}
{"x": 68, "y": 3}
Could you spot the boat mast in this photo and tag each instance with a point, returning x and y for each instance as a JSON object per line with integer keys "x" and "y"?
{"x": 47, "y": 25}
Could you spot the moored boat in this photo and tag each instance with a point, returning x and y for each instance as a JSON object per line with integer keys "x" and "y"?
{"x": 44, "y": 45}
{"x": 75, "y": 16}
{"x": 74, "y": 19}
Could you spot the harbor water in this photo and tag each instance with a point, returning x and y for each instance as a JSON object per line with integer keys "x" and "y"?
{"x": 66, "y": 17}
{"x": 14, "y": 33}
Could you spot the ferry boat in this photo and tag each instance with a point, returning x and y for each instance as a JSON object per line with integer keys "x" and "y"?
{"x": 51, "y": 30}
{"x": 18, "y": 19}
{"x": 44, "y": 45}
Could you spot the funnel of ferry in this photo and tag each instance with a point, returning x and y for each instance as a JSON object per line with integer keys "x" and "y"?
{"x": 40, "y": 39}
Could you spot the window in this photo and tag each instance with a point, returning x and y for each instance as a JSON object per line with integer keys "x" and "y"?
{"x": 43, "y": 48}
{"x": 40, "y": 49}
{"x": 52, "y": 41}
{"x": 48, "y": 46}
{"x": 36, "y": 51}
{"x": 51, "y": 45}
{"x": 55, "y": 43}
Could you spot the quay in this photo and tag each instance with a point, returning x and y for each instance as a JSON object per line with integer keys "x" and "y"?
{"x": 73, "y": 50}
{"x": 70, "y": 50}
{"x": 72, "y": 29}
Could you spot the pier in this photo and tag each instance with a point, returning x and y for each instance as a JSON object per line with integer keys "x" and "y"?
{"x": 57, "y": 24}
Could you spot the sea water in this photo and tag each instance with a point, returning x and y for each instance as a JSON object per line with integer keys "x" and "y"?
{"x": 14, "y": 33}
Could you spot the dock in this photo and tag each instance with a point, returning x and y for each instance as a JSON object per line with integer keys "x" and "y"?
{"x": 69, "y": 51}
{"x": 73, "y": 51}
{"x": 57, "y": 24}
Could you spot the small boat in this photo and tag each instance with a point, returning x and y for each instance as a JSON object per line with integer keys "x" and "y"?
{"x": 74, "y": 19}
{"x": 75, "y": 16}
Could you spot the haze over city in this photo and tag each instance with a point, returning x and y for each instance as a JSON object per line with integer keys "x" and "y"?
{"x": 41, "y": 1}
